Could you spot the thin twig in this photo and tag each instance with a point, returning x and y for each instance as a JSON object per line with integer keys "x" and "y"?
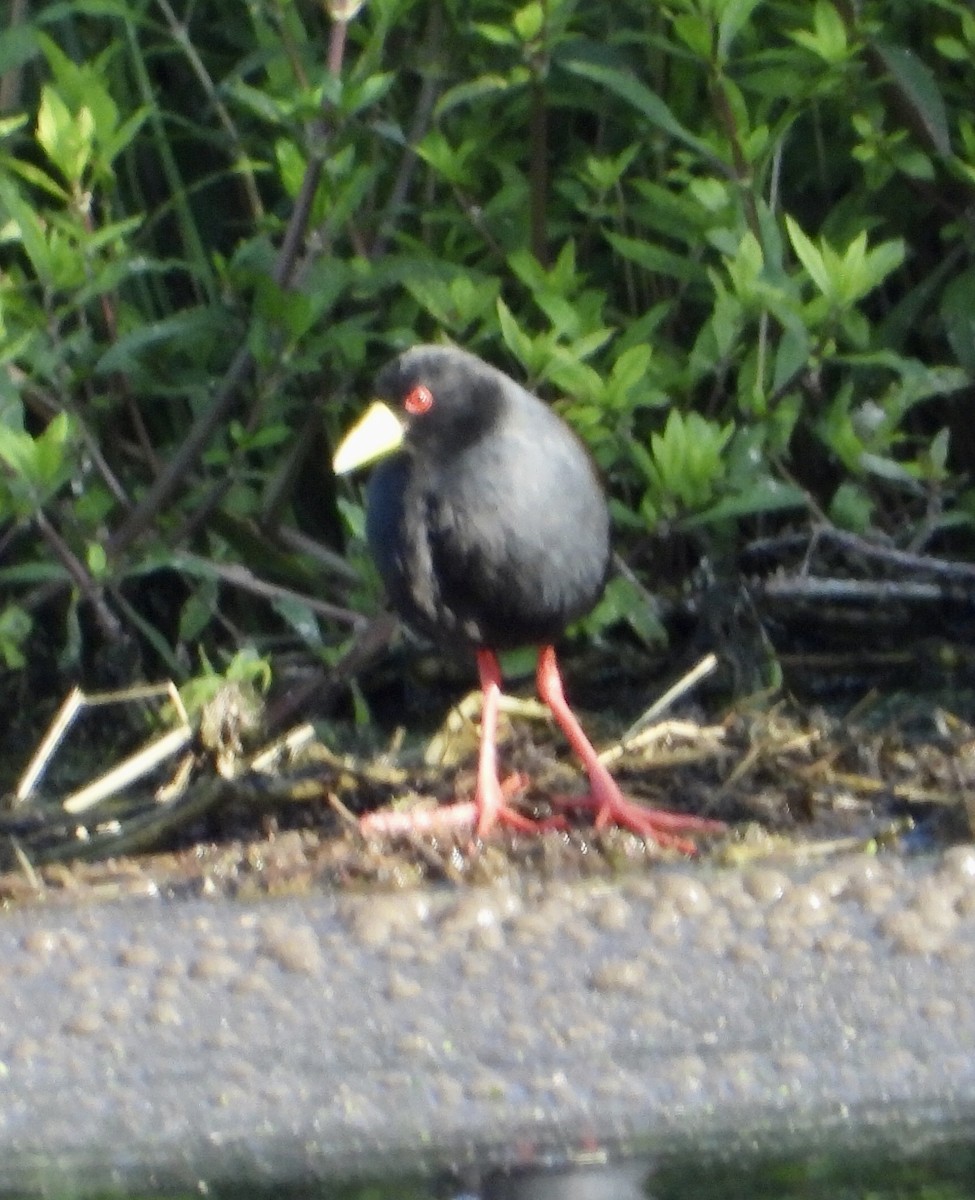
{"x": 856, "y": 545}
{"x": 707, "y": 666}
{"x": 538, "y": 166}
{"x": 421, "y": 120}
{"x": 136, "y": 766}
{"x": 763, "y": 320}
{"x": 185, "y": 458}
{"x": 11, "y": 79}
{"x": 300, "y": 543}
{"x": 181, "y": 36}
{"x": 242, "y": 577}
{"x": 226, "y": 396}
{"x": 278, "y": 490}
{"x": 76, "y": 569}
{"x": 813, "y": 589}
{"x": 67, "y": 714}
{"x": 47, "y": 407}
{"x": 325, "y": 685}
{"x": 284, "y": 274}
{"x": 901, "y": 559}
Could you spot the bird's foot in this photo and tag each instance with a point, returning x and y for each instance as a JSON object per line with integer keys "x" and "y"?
{"x": 654, "y": 824}
{"x": 494, "y": 808}
{"x": 479, "y": 816}
{"x": 442, "y": 820}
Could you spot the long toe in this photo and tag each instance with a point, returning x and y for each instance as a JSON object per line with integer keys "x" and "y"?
{"x": 452, "y": 820}
{"x": 494, "y": 809}
{"x": 511, "y": 818}
{"x": 463, "y": 817}
{"x": 657, "y": 825}
{"x": 440, "y": 821}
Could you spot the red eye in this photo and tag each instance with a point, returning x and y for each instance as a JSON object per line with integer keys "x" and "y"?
{"x": 419, "y": 400}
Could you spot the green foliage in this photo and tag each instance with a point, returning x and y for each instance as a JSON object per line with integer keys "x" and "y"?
{"x": 36, "y": 466}
{"x": 729, "y": 238}
{"x": 245, "y": 669}
{"x": 685, "y": 465}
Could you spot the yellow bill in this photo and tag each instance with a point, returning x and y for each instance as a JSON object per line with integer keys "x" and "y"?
{"x": 379, "y": 431}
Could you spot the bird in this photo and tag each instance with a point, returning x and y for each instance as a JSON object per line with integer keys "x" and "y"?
{"x": 490, "y": 530}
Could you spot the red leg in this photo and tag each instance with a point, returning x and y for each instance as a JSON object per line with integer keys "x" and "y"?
{"x": 492, "y": 809}
{"x": 610, "y": 805}
{"x": 490, "y": 806}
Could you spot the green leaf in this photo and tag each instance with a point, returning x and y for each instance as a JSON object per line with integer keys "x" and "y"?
{"x": 529, "y": 21}
{"x": 267, "y": 108}
{"x": 880, "y": 262}
{"x": 51, "y": 446}
{"x": 952, "y": 48}
{"x": 291, "y": 165}
{"x": 764, "y": 496}
{"x": 124, "y": 135}
{"x": 28, "y": 225}
{"x": 497, "y": 35}
{"x": 39, "y": 463}
{"x": 188, "y": 325}
{"x": 454, "y": 302}
{"x": 31, "y": 573}
{"x": 448, "y": 160}
{"x": 590, "y": 64}
{"x": 299, "y": 617}
{"x": 356, "y": 98}
{"x": 605, "y": 172}
{"x": 958, "y": 314}
{"x": 630, "y": 369}
{"x": 15, "y": 628}
{"x": 712, "y": 194}
{"x": 735, "y": 14}
{"x": 198, "y": 610}
{"x": 65, "y": 137}
{"x": 809, "y": 256}
{"x": 97, "y": 559}
{"x": 474, "y": 90}
{"x": 791, "y": 356}
{"x": 563, "y": 315}
{"x": 83, "y": 87}
{"x": 696, "y": 32}
{"x": 828, "y": 38}
{"x": 17, "y": 451}
{"x": 687, "y": 460}
{"x": 34, "y": 175}
{"x": 587, "y": 345}
{"x": 18, "y": 45}
{"x": 918, "y": 86}
{"x": 888, "y": 469}
{"x": 849, "y": 270}
{"x": 625, "y": 600}
{"x": 654, "y": 258}
{"x": 851, "y": 507}
{"x": 938, "y": 451}
{"x": 519, "y": 343}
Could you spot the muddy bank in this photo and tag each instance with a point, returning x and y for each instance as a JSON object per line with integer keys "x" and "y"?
{"x": 152, "y": 1042}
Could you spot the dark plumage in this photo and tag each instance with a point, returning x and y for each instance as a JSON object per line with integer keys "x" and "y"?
{"x": 490, "y": 530}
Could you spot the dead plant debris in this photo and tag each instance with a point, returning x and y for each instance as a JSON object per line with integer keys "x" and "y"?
{"x": 193, "y": 812}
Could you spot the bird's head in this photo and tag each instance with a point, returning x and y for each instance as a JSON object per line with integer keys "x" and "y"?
{"x": 429, "y": 400}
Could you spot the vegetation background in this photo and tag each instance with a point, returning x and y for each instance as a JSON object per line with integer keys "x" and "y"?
{"x": 732, "y": 239}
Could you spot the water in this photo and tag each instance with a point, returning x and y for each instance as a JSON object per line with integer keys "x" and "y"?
{"x": 927, "y": 1164}
{"x": 934, "y": 1167}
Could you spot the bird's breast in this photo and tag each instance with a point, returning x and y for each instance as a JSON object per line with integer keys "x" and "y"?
{"x": 502, "y": 546}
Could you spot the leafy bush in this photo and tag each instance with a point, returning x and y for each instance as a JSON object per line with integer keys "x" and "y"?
{"x": 734, "y": 234}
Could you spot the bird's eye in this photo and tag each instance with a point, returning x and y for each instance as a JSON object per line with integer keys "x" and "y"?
{"x": 418, "y": 400}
